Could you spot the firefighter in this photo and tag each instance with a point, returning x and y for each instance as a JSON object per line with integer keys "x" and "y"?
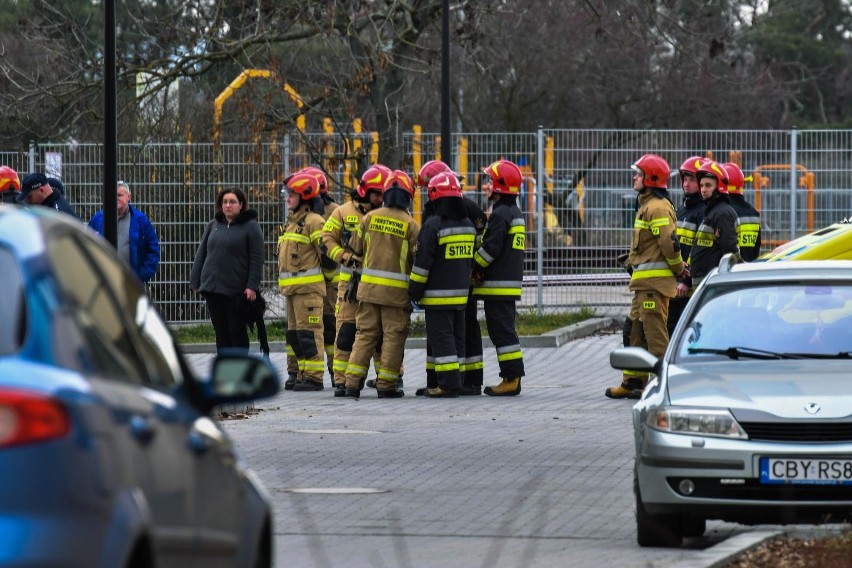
{"x": 748, "y": 219}
{"x": 655, "y": 260}
{"x": 689, "y": 216}
{"x": 385, "y": 240}
{"x": 717, "y": 234}
{"x": 340, "y": 226}
{"x": 498, "y": 272}
{"x": 440, "y": 282}
{"x": 331, "y": 273}
{"x": 301, "y": 281}
{"x": 470, "y": 365}
{"x": 10, "y": 185}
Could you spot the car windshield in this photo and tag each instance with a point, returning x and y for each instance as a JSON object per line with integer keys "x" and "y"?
{"x": 771, "y": 321}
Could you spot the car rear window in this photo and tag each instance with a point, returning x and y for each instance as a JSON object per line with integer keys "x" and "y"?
{"x": 13, "y": 321}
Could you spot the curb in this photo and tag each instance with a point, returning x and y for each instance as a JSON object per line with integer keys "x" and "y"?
{"x": 722, "y": 554}
{"x": 554, "y": 338}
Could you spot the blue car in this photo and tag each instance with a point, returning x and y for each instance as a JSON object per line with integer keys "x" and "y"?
{"x": 109, "y": 451}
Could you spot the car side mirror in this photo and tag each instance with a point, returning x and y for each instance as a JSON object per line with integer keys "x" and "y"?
{"x": 239, "y": 377}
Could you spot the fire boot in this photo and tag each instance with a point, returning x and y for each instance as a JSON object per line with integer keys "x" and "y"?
{"x": 390, "y": 393}
{"x": 291, "y": 381}
{"x": 438, "y": 392}
{"x": 507, "y": 387}
{"x": 470, "y": 390}
{"x": 629, "y": 388}
{"x": 340, "y": 389}
{"x": 307, "y": 385}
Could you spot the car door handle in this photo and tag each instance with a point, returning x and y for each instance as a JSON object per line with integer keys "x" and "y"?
{"x": 142, "y": 428}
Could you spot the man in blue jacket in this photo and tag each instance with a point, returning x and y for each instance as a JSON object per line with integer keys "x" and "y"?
{"x": 137, "y": 244}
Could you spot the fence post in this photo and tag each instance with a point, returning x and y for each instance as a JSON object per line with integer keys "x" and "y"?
{"x": 32, "y": 156}
{"x": 793, "y": 175}
{"x": 539, "y": 216}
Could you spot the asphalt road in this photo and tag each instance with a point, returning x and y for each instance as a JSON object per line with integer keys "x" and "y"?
{"x": 542, "y": 479}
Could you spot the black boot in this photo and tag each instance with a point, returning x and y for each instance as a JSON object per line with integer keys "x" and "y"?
{"x": 352, "y": 393}
{"x": 390, "y": 393}
{"x": 340, "y": 390}
{"x": 290, "y": 382}
{"x": 307, "y": 385}
{"x": 470, "y": 390}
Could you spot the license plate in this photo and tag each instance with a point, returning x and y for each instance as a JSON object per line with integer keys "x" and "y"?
{"x": 806, "y": 471}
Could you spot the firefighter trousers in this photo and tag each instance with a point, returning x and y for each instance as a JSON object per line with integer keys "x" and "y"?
{"x": 445, "y": 342}
{"x": 329, "y": 323}
{"x": 649, "y": 312}
{"x": 304, "y": 335}
{"x": 500, "y": 322}
{"x": 375, "y": 322}
{"x": 472, "y": 364}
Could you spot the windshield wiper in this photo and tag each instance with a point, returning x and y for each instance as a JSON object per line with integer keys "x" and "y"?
{"x": 750, "y": 352}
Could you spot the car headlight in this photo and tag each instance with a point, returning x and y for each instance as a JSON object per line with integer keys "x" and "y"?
{"x": 695, "y": 421}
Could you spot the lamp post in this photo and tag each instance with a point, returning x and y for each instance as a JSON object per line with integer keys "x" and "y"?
{"x": 446, "y": 135}
{"x": 110, "y": 203}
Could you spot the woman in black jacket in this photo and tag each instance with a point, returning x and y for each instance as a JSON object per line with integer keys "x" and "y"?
{"x": 228, "y": 266}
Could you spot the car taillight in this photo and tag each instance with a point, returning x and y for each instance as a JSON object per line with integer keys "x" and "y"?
{"x": 28, "y": 417}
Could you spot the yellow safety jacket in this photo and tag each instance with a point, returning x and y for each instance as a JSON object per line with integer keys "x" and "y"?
{"x": 299, "y": 266}
{"x": 655, "y": 253}
{"x": 385, "y": 239}
{"x": 340, "y": 226}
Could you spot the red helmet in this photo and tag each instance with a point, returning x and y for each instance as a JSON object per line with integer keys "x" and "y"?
{"x": 321, "y": 179}
{"x": 505, "y": 177}
{"x": 691, "y": 165}
{"x": 374, "y": 178}
{"x": 655, "y": 169}
{"x": 400, "y": 179}
{"x": 429, "y": 170}
{"x": 714, "y": 170}
{"x": 303, "y": 183}
{"x": 9, "y": 180}
{"x": 444, "y": 184}
{"x": 736, "y": 179}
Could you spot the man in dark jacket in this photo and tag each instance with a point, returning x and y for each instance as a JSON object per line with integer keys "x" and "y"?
{"x": 717, "y": 234}
{"x": 37, "y": 190}
{"x": 138, "y": 244}
{"x": 748, "y": 218}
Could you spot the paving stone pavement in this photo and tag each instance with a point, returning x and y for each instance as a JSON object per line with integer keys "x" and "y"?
{"x": 541, "y": 479}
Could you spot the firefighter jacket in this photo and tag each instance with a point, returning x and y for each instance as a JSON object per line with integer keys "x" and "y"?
{"x": 689, "y": 216}
{"x": 385, "y": 240}
{"x": 500, "y": 258}
{"x": 440, "y": 276}
{"x": 716, "y": 236}
{"x": 330, "y": 268}
{"x": 748, "y": 228}
{"x": 300, "y": 254}
{"x": 340, "y": 226}
{"x": 655, "y": 252}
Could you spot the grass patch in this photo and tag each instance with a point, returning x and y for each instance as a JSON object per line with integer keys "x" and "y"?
{"x": 529, "y": 322}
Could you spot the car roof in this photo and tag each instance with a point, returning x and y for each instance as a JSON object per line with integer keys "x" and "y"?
{"x": 787, "y": 270}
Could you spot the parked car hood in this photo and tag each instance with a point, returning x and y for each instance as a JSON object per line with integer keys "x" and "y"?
{"x": 779, "y": 387}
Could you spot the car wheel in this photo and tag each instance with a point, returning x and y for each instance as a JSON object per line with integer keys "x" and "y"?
{"x": 263, "y": 557}
{"x": 655, "y": 530}
{"x": 694, "y": 527}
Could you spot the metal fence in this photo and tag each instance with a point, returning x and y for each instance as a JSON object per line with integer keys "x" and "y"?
{"x": 577, "y": 196}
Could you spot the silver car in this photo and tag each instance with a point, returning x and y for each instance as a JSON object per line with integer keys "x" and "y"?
{"x": 749, "y": 415}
